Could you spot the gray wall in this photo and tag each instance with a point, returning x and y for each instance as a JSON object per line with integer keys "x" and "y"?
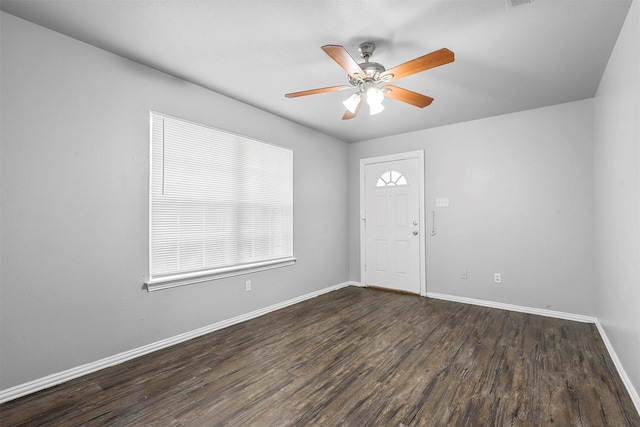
{"x": 521, "y": 195}
{"x": 74, "y": 218}
{"x": 617, "y": 189}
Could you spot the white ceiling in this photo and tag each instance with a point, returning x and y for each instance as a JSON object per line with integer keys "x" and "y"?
{"x": 508, "y": 59}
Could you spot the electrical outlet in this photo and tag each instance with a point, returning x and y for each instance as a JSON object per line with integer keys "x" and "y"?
{"x": 464, "y": 275}
{"x": 497, "y": 277}
{"x": 247, "y": 285}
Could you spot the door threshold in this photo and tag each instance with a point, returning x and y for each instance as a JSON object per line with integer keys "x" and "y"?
{"x": 395, "y": 291}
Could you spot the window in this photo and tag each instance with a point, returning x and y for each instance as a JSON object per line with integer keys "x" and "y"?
{"x": 220, "y": 204}
{"x": 391, "y": 179}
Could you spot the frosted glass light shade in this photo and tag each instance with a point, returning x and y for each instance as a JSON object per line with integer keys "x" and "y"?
{"x": 375, "y": 109}
{"x": 374, "y": 99}
{"x": 374, "y": 95}
{"x": 352, "y": 102}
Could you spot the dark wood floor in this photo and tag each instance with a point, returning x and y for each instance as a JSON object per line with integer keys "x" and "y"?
{"x": 356, "y": 357}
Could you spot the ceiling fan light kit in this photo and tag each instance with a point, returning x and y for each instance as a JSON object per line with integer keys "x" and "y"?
{"x": 370, "y": 79}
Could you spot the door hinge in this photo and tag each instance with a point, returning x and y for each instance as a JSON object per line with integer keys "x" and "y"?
{"x": 364, "y": 221}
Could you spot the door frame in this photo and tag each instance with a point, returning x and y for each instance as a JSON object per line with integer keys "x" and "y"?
{"x": 419, "y": 154}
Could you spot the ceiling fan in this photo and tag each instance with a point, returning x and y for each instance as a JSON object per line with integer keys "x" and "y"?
{"x": 370, "y": 78}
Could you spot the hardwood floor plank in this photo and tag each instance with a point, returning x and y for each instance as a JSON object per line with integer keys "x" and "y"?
{"x": 355, "y": 357}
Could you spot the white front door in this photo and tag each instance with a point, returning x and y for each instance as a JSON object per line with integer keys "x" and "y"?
{"x": 392, "y": 224}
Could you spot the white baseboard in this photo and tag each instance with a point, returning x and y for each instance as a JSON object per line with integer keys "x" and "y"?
{"x": 512, "y": 307}
{"x": 358, "y": 284}
{"x": 633, "y": 393}
{"x": 61, "y": 377}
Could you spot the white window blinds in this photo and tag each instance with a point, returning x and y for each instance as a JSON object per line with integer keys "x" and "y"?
{"x": 219, "y": 202}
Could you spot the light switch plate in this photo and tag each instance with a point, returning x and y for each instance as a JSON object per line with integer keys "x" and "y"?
{"x": 442, "y": 202}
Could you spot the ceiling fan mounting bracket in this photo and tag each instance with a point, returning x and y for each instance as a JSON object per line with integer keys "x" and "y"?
{"x": 366, "y": 50}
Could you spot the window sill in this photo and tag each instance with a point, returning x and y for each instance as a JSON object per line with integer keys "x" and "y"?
{"x": 173, "y": 281}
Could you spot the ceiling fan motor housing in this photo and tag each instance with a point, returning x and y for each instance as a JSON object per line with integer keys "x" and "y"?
{"x": 372, "y": 71}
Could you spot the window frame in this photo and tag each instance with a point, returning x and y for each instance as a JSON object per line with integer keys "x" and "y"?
{"x": 171, "y": 280}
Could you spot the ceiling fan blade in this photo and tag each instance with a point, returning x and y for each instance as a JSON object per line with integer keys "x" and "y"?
{"x": 348, "y": 115}
{"x": 425, "y": 62}
{"x": 316, "y": 91}
{"x": 344, "y": 60}
{"x": 407, "y": 96}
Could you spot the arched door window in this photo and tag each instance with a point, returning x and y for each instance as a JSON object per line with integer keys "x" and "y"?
{"x": 391, "y": 179}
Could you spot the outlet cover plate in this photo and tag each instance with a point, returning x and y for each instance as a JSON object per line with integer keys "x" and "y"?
{"x": 442, "y": 202}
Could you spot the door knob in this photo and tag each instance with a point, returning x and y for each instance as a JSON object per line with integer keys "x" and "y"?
{"x": 415, "y": 233}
